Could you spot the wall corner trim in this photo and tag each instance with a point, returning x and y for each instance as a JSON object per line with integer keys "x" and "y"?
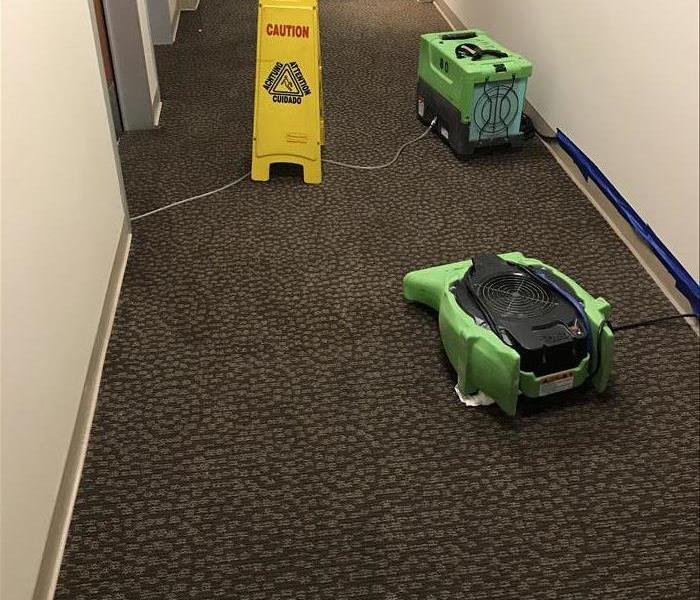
{"x": 175, "y": 25}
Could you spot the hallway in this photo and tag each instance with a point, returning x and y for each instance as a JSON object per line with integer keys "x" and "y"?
{"x": 275, "y": 421}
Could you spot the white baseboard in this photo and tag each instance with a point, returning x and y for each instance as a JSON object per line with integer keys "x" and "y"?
{"x": 63, "y": 510}
{"x": 189, "y": 4}
{"x": 157, "y": 107}
{"x": 452, "y": 20}
{"x": 176, "y": 24}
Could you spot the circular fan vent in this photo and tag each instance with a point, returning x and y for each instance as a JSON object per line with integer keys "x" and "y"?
{"x": 516, "y": 296}
{"x": 496, "y": 109}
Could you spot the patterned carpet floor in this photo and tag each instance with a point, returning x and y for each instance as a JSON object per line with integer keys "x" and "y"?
{"x": 275, "y": 422}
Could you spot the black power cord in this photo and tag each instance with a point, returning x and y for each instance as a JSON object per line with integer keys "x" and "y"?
{"x": 647, "y": 322}
{"x": 527, "y": 126}
{"x": 626, "y": 326}
{"x": 542, "y": 136}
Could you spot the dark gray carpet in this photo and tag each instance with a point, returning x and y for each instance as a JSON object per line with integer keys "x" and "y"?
{"x": 276, "y": 422}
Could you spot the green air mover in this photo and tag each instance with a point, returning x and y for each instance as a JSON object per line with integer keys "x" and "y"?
{"x": 475, "y": 88}
{"x": 511, "y": 325}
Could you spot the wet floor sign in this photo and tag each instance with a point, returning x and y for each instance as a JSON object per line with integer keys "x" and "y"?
{"x": 288, "y": 124}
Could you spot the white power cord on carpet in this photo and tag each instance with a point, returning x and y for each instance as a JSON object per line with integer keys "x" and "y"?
{"x": 386, "y": 164}
{"x": 197, "y": 197}
{"x": 325, "y": 160}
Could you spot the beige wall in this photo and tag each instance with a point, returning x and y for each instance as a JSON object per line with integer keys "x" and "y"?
{"x": 189, "y": 4}
{"x": 164, "y": 16}
{"x": 62, "y": 215}
{"x": 149, "y": 53}
{"x": 620, "y": 78}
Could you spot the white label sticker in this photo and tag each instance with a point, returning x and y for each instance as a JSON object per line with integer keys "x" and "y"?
{"x": 444, "y": 132}
{"x": 421, "y": 106}
{"x": 558, "y": 382}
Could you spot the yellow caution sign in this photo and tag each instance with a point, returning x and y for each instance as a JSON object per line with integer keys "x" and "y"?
{"x": 288, "y": 122}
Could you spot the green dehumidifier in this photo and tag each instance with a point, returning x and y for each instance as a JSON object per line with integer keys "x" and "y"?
{"x": 475, "y": 87}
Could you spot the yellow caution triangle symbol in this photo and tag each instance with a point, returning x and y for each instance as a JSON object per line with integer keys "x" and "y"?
{"x": 286, "y": 84}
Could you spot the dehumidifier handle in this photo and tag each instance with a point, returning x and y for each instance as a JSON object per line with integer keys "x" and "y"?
{"x": 459, "y": 35}
{"x": 496, "y": 53}
{"x": 477, "y": 53}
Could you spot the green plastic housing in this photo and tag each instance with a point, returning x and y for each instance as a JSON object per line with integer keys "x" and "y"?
{"x": 456, "y": 79}
{"x": 482, "y": 361}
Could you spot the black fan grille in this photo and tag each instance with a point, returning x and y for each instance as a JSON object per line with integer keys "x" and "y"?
{"x": 516, "y": 296}
{"x": 496, "y": 109}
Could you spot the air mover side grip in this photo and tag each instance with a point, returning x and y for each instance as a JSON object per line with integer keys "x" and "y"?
{"x": 483, "y": 363}
{"x": 481, "y": 360}
{"x": 604, "y": 348}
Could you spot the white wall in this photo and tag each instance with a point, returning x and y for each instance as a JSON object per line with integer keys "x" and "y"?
{"x": 189, "y": 4}
{"x": 62, "y": 215}
{"x": 620, "y": 78}
{"x": 133, "y": 56}
{"x": 164, "y": 16}
{"x": 173, "y": 5}
{"x": 149, "y": 53}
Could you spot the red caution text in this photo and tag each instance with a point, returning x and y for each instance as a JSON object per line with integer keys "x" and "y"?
{"x": 293, "y": 31}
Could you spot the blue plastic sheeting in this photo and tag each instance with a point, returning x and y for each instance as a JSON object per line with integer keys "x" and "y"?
{"x": 684, "y": 281}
